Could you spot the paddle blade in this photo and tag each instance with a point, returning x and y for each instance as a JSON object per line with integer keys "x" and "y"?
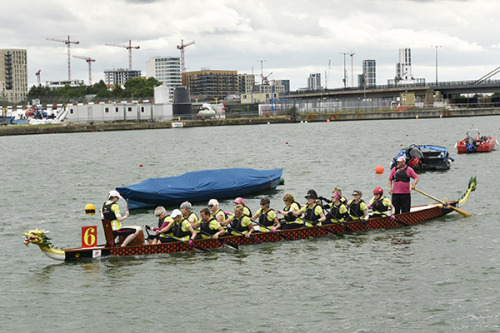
{"x": 461, "y": 211}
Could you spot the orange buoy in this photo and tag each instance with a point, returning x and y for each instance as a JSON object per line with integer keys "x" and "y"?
{"x": 379, "y": 169}
{"x": 328, "y": 120}
{"x": 140, "y": 165}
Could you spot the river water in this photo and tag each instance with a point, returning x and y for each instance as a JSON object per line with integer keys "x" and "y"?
{"x": 442, "y": 276}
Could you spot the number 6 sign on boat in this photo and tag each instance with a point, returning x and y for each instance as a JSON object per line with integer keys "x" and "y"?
{"x": 89, "y": 236}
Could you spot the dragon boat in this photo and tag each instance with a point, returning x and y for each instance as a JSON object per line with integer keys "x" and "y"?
{"x": 475, "y": 143}
{"x": 417, "y": 214}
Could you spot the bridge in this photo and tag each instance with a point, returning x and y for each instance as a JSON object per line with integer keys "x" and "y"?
{"x": 445, "y": 89}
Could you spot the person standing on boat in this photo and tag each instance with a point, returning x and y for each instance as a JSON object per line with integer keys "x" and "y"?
{"x": 111, "y": 211}
{"x": 400, "y": 177}
{"x": 238, "y": 223}
{"x": 209, "y": 227}
{"x": 181, "y": 229}
{"x": 337, "y": 210}
{"x": 380, "y": 204}
{"x": 216, "y": 212}
{"x": 268, "y": 220}
{"x": 357, "y": 207}
{"x": 291, "y": 206}
{"x": 163, "y": 221}
{"x": 246, "y": 210}
{"x": 313, "y": 212}
{"x": 186, "y": 208}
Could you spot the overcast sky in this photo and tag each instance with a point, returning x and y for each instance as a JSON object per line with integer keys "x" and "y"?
{"x": 294, "y": 37}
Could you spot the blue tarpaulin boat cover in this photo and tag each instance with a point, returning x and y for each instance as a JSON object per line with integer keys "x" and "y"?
{"x": 199, "y": 186}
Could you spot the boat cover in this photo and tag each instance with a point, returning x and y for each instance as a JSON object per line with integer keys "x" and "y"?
{"x": 199, "y": 186}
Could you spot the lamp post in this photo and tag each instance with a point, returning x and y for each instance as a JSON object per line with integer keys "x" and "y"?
{"x": 352, "y": 68}
{"x": 436, "y": 46}
{"x": 345, "y": 78}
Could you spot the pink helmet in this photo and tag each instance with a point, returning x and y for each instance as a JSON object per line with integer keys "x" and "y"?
{"x": 238, "y": 200}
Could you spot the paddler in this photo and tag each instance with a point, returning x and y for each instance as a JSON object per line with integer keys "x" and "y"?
{"x": 163, "y": 221}
{"x": 181, "y": 229}
{"x": 337, "y": 210}
{"x": 268, "y": 220}
{"x": 401, "y": 175}
{"x": 186, "y": 208}
{"x": 246, "y": 210}
{"x": 111, "y": 211}
{"x": 313, "y": 212}
{"x": 216, "y": 212}
{"x": 209, "y": 227}
{"x": 380, "y": 204}
{"x": 357, "y": 207}
{"x": 238, "y": 223}
{"x": 291, "y": 206}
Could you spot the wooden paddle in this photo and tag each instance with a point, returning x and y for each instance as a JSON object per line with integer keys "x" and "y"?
{"x": 461, "y": 211}
{"x": 270, "y": 230}
{"x": 329, "y": 213}
{"x": 258, "y": 241}
{"x": 223, "y": 241}
{"x": 180, "y": 240}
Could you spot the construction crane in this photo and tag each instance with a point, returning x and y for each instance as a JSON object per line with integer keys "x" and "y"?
{"x": 38, "y": 76}
{"x": 89, "y": 61}
{"x": 129, "y": 47}
{"x": 265, "y": 79}
{"x": 68, "y": 42}
{"x": 183, "y": 64}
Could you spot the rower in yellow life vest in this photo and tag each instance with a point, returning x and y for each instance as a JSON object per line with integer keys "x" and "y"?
{"x": 238, "y": 223}
{"x": 216, "y": 212}
{"x": 291, "y": 206}
{"x": 268, "y": 220}
{"x": 313, "y": 212}
{"x": 357, "y": 207}
{"x": 380, "y": 204}
{"x": 181, "y": 228}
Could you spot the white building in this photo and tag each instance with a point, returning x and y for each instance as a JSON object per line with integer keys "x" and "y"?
{"x": 118, "y": 112}
{"x": 314, "y": 81}
{"x": 167, "y": 70}
{"x": 403, "y": 68}
{"x": 369, "y": 77}
{"x": 120, "y": 75}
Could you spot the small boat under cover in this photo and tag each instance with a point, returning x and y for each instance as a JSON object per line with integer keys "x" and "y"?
{"x": 425, "y": 158}
{"x": 475, "y": 143}
{"x": 199, "y": 186}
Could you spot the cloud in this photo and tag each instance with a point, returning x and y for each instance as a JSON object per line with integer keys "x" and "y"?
{"x": 295, "y": 37}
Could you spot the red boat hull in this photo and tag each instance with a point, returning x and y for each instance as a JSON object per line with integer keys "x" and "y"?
{"x": 478, "y": 145}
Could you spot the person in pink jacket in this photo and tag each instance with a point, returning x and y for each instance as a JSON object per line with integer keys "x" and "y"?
{"x": 399, "y": 185}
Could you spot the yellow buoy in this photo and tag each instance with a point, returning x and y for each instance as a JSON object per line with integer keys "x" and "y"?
{"x": 379, "y": 169}
{"x": 89, "y": 209}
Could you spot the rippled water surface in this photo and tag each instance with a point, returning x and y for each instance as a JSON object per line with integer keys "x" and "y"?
{"x": 441, "y": 276}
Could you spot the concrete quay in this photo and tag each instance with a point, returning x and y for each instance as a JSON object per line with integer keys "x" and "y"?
{"x": 302, "y": 117}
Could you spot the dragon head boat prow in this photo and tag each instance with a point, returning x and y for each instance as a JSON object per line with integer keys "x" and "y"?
{"x": 471, "y": 188}
{"x": 40, "y": 238}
